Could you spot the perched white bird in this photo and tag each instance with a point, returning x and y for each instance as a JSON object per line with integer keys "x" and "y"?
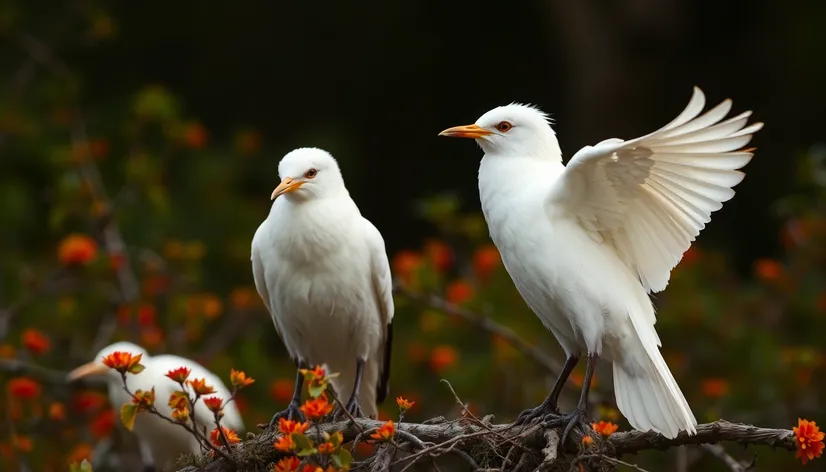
{"x": 166, "y": 441}
{"x": 586, "y": 243}
{"x": 321, "y": 270}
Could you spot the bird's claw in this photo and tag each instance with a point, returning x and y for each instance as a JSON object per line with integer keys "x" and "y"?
{"x": 543, "y": 411}
{"x": 293, "y": 413}
{"x": 569, "y": 421}
{"x": 353, "y": 407}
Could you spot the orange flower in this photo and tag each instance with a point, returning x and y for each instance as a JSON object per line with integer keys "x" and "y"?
{"x": 442, "y": 358}
{"x": 809, "y": 440}
{"x": 200, "y": 387}
{"x": 179, "y": 375}
{"x": 768, "y": 270}
{"x": 587, "y": 440}
{"x": 284, "y": 443}
{"x": 144, "y": 399}
{"x": 180, "y": 415}
{"x": 178, "y": 400}
{"x": 406, "y": 264}
{"x": 485, "y": 260}
{"x": 287, "y": 464}
{"x": 317, "y": 407}
{"x": 239, "y": 379}
{"x": 244, "y": 298}
{"x": 385, "y": 432}
{"x": 282, "y": 390}
{"x": 316, "y": 372}
{"x": 57, "y": 411}
{"x": 232, "y": 437}
{"x": 80, "y": 452}
{"x": 123, "y": 362}
{"x": 151, "y": 336}
{"x": 77, "y": 249}
{"x": 102, "y": 425}
{"x": 195, "y": 136}
{"x": 214, "y": 404}
{"x": 22, "y": 443}
{"x": 459, "y": 292}
{"x": 23, "y": 388}
{"x": 715, "y": 387}
{"x": 326, "y": 448}
{"x": 404, "y": 404}
{"x": 35, "y": 341}
{"x": 604, "y": 428}
{"x": 440, "y": 255}
{"x": 289, "y": 426}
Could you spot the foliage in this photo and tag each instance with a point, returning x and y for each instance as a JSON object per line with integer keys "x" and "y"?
{"x": 140, "y": 190}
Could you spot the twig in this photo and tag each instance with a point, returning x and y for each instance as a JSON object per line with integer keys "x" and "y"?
{"x": 603, "y": 457}
{"x": 719, "y": 452}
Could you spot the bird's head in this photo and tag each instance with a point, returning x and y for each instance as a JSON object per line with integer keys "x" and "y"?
{"x": 510, "y": 130}
{"x": 96, "y": 368}
{"x": 308, "y": 173}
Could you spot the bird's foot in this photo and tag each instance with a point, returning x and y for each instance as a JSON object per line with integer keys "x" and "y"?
{"x": 542, "y": 411}
{"x": 353, "y": 407}
{"x": 578, "y": 417}
{"x": 293, "y": 412}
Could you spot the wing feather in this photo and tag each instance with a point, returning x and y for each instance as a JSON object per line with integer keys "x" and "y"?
{"x": 651, "y": 196}
{"x": 383, "y": 287}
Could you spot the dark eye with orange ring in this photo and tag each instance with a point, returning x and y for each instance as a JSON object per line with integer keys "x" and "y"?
{"x": 310, "y": 173}
{"x": 504, "y": 126}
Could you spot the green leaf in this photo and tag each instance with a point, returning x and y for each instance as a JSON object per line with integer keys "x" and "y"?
{"x": 137, "y": 369}
{"x": 342, "y": 458}
{"x": 84, "y": 466}
{"x": 316, "y": 390}
{"x": 128, "y": 412}
{"x": 301, "y": 441}
{"x": 307, "y": 452}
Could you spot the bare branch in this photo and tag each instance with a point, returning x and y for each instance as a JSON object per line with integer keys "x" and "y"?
{"x": 719, "y": 452}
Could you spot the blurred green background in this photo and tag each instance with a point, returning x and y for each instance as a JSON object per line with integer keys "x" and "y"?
{"x": 159, "y": 125}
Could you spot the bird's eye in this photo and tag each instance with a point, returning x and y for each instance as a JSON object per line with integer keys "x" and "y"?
{"x": 310, "y": 173}
{"x": 504, "y": 126}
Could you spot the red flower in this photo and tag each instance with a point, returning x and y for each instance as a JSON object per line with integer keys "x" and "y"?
{"x": 239, "y": 379}
{"x": 195, "y": 136}
{"x": 809, "y": 440}
{"x": 442, "y": 358}
{"x": 715, "y": 387}
{"x": 485, "y": 260}
{"x": 404, "y": 404}
{"x": 77, "y": 249}
{"x": 317, "y": 407}
{"x": 215, "y": 436}
{"x": 123, "y": 362}
{"x": 459, "y": 292}
{"x": 23, "y": 388}
{"x": 440, "y": 255}
{"x": 146, "y": 315}
{"x": 88, "y": 401}
{"x": 102, "y": 425}
{"x": 406, "y": 264}
{"x": 768, "y": 270}
{"x": 385, "y": 432}
{"x": 179, "y": 375}
{"x": 282, "y": 390}
{"x": 214, "y": 404}
{"x": 287, "y": 464}
{"x": 200, "y": 387}
{"x": 604, "y": 428}
{"x": 35, "y": 341}
{"x": 289, "y": 426}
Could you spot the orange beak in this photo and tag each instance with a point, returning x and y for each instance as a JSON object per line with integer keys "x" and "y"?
{"x": 87, "y": 370}
{"x": 467, "y": 131}
{"x": 287, "y": 185}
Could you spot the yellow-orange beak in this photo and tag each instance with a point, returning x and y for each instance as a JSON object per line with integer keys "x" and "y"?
{"x": 87, "y": 370}
{"x": 287, "y": 185}
{"x": 467, "y": 131}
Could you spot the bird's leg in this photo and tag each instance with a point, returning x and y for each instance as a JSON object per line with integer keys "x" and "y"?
{"x": 578, "y": 416}
{"x": 293, "y": 411}
{"x": 549, "y": 406}
{"x": 353, "y": 406}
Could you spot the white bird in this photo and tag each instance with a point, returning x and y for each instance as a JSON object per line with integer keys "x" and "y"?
{"x": 586, "y": 243}
{"x": 166, "y": 441}
{"x": 323, "y": 274}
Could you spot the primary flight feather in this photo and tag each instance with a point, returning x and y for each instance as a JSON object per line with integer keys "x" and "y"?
{"x": 586, "y": 243}
{"x": 323, "y": 274}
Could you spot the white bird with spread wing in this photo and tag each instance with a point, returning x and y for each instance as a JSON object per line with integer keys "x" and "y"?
{"x": 321, "y": 270}
{"x": 585, "y": 243}
{"x": 166, "y": 441}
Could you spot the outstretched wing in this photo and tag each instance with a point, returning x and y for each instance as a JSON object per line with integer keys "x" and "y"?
{"x": 383, "y": 289}
{"x": 650, "y": 197}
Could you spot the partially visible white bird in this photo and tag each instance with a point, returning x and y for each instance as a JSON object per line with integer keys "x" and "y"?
{"x": 586, "y": 243}
{"x": 166, "y": 441}
{"x": 322, "y": 271}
